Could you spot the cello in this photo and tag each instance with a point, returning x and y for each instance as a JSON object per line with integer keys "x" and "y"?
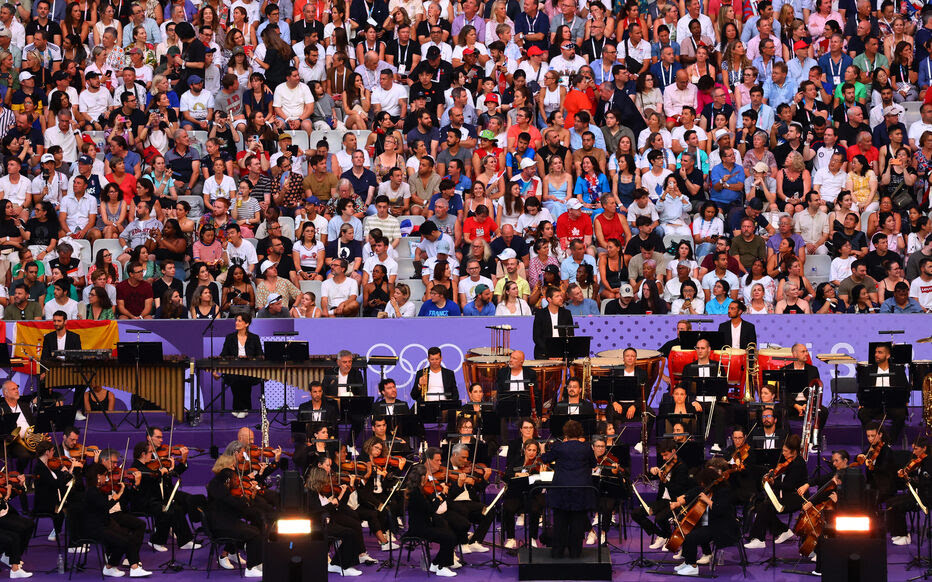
{"x": 691, "y": 515}
{"x": 811, "y": 522}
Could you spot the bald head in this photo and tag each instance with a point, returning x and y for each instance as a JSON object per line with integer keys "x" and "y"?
{"x": 371, "y": 59}
{"x": 245, "y": 436}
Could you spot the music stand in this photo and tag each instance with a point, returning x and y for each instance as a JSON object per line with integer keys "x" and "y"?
{"x": 55, "y": 418}
{"x": 564, "y": 412}
{"x": 354, "y": 405}
{"x": 881, "y": 397}
{"x": 513, "y": 404}
{"x": 763, "y": 456}
{"x": 432, "y": 411}
{"x": 398, "y": 408}
{"x": 286, "y": 351}
{"x": 145, "y": 352}
{"x": 689, "y": 422}
{"x": 688, "y": 339}
{"x": 691, "y": 383}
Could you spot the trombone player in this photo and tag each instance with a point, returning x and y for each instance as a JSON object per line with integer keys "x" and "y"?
{"x": 798, "y": 409}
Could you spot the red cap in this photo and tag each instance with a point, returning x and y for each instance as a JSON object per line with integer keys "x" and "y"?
{"x": 534, "y": 50}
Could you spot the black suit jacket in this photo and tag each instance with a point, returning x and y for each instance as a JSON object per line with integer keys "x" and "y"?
{"x": 231, "y": 348}
{"x": 50, "y": 344}
{"x": 897, "y": 378}
{"x": 50, "y": 487}
{"x": 503, "y": 379}
{"x": 329, "y": 413}
{"x": 354, "y": 377}
{"x": 543, "y": 330}
{"x": 450, "y": 391}
{"x": 27, "y": 413}
{"x": 748, "y": 333}
{"x": 573, "y": 462}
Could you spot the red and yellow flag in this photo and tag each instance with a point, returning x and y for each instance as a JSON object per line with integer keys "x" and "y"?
{"x": 95, "y": 335}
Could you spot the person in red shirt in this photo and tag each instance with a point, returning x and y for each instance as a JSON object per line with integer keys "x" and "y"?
{"x": 134, "y": 295}
{"x": 574, "y": 225}
{"x": 577, "y": 100}
{"x": 479, "y": 225}
{"x": 609, "y": 223}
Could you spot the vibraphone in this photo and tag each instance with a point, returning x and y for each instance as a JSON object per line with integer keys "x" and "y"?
{"x": 297, "y": 374}
{"x": 162, "y": 384}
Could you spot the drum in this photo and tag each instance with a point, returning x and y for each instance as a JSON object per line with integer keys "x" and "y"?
{"x": 734, "y": 365}
{"x": 773, "y": 359}
{"x": 484, "y": 370}
{"x": 486, "y": 351}
{"x": 550, "y": 374}
{"x": 679, "y": 359}
{"x": 651, "y": 361}
{"x": 601, "y": 366}
{"x": 918, "y": 369}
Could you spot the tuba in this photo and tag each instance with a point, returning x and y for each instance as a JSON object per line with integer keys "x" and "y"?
{"x": 927, "y": 403}
{"x": 751, "y": 389}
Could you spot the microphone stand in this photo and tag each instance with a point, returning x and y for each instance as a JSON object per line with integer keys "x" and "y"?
{"x": 171, "y": 565}
{"x": 209, "y": 328}
{"x": 393, "y": 522}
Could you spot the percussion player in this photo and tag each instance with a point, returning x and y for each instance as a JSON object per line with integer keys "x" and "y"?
{"x": 242, "y": 344}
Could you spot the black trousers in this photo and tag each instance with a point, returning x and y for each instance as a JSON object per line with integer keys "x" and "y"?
{"x": 768, "y": 520}
{"x": 896, "y": 415}
{"x": 701, "y": 536}
{"x": 347, "y": 555}
{"x": 442, "y": 535}
{"x": 532, "y": 507}
{"x": 166, "y": 521}
{"x": 123, "y": 537}
{"x": 606, "y": 505}
{"x": 458, "y": 523}
{"x": 249, "y": 536}
{"x": 660, "y": 525}
{"x": 349, "y": 519}
{"x": 472, "y": 511}
{"x": 15, "y": 533}
{"x": 368, "y": 510}
{"x": 569, "y": 528}
{"x": 897, "y": 506}
{"x": 241, "y": 387}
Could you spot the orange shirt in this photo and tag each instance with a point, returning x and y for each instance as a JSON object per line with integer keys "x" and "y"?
{"x": 575, "y": 102}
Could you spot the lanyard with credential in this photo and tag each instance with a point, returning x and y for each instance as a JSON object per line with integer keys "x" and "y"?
{"x": 831, "y": 67}
{"x": 663, "y": 73}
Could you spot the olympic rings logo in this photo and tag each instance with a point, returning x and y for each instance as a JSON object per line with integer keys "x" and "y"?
{"x": 413, "y": 357}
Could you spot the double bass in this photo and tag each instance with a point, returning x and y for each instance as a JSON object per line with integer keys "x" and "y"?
{"x": 691, "y": 515}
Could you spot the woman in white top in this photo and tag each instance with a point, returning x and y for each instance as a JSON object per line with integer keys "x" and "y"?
{"x": 684, "y": 252}
{"x": 917, "y": 239}
{"x": 106, "y": 21}
{"x": 219, "y": 185}
{"x": 244, "y": 209}
{"x": 707, "y": 227}
{"x": 551, "y": 96}
{"x": 533, "y": 215}
{"x": 400, "y": 306}
{"x": 841, "y": 265}
{"x": 687, "y": 303}
{"x": 649, "y": 98}
{"x": 308, "y": 254}
{"x": 510, "y": 206}
{"x": 468, "y": 38}
{"x": 758, "y": 305}
{"x": 758, "y": 276}
{"x": 534, "y": 67}
{"x": 305, "y": 307}
{"x": 510, "y": 303}
{"x": 655, "y": 124}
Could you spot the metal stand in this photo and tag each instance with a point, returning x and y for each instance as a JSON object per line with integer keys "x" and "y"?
{"x": 493, "y": 561}
{"x": 140, "y": 416}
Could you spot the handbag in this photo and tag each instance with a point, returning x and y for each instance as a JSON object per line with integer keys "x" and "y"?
{"x": 631, "y": 63}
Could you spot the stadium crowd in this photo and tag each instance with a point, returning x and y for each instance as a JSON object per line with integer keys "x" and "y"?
{"x": 317, "y": 158}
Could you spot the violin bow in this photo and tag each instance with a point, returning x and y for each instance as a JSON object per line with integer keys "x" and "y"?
{"x": 87, "y": 420}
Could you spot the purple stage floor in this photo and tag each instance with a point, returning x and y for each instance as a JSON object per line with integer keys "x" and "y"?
{"x": 42, "y": 553}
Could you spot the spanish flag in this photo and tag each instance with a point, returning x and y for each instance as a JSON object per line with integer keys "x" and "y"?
{"x": 94, "y": 335}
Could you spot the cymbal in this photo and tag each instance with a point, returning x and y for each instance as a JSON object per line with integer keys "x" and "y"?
{"x": 925, "y": 340}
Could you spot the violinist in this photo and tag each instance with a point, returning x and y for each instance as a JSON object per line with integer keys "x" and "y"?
{"x": 817, "y": 508}
{"x": 15, "y": 532}
{"x": 341, "y": 487}
{"x": 191, "y": 504}
{"x": 250, "y": 470}
{"x": 886, "y": 373}
{"x": 150, "y": 497}
{"x": 247, "y": 438}
{"x": 786, "y": 478}
{"x": 397, "y": 446}
{"x": 743, "y": 484}
{"x": 70, "y": 441}
{"x": 718, "y": 523}
{"x": 324, "y": 502}
{"x": 531, "y": 505}
{"x": 228, "y": 511}
{"x": 319, "y": 410}
{"x": 104, "y": 518}
{"x": 472, "y": 481}
{"x": 879, "y": 464}
{"x": 918, "y": 472}
{"x": 52, "y": 483}
{"x": 674, "y": 480}
{"x": 241, "y": 344}
{"x": 389, "y": 404}
{"x": 626, "y": 411}
{"x": 427, "y": 518}
{"x": 527, "y": 431}
{"x": 374, "y": 489}
{"x": 606, "y": 467}
{"x": 573, "y": 460}
{"x": 798, "y": 412}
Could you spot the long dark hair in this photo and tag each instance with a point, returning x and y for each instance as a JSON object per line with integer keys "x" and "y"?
{"x": 169, "y": 309}
{"x": 108, "y": 267}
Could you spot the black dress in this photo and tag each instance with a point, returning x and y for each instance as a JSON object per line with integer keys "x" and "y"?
{"x": 241, "y": 386}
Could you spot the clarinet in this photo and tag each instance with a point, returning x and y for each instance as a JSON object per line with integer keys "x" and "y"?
{"x": 265, "y": 421}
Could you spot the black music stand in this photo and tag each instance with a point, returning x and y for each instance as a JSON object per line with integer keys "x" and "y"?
{"x": 398, "y": 408}
{"x": 564, "y": 412}
{"x": 354, "y": 405}
{"x": 136, "y": 354}
{"x": 286, "y": 351}
{"x": 688, "y": 339}
{"x": 432, "y": 411}
{"x": 688, "y": 420}
{"x": 881, "y": 397}
{"x": 568, "y": 348}
{"x": 690, "y": 452}
{"x": 513, "y": 404}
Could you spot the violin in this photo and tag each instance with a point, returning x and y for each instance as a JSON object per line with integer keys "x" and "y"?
{"x": 534, "y": 468}
{"x": 911, "y": 466}
{"x": 741, "y": 454}
{"x": 242, "y": 486}
{"x": 667, "y": 468}
{"x": 873, "y": 453}
{"x": 393, "y": 462}
{"x": 336, "y": 484}
{"x": 772, "y": 474}
{"x": 610, "y": 462}
{"x": 16, "y": 481}
{"x": 56, "y": 463}
{"x": 355, "y": 467}
{"x": 445, "y": 474}
{"x": 256, "y": 452}
{"x": 113, "y": 482}
{"x": 83, "y": 451}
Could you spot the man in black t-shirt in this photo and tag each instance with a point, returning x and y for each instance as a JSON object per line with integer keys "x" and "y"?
{"x": 625, "y": 304}
{"x": 298, "y": 27}
{"x": 193, "y": 55}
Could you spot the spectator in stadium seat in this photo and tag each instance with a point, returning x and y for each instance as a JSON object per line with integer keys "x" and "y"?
{"x": 901, "y": 302}
{"x": 134, "y": 295}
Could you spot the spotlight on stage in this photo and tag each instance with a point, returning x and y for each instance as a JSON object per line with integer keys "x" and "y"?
{"x": 854, "y": 550}
{"x": 295, "y": 551}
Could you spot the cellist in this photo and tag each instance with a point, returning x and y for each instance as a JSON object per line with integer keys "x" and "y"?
{"x": 785, "y": 478}
{"x": 824, "y": 500}
{"x": 718, "y": 523}
{"x": 919, "y": 473}
{"x": 671, "y": 494}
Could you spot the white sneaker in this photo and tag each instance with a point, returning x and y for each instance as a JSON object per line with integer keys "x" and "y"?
{"x": 602, "y": 538}
{"x": 511, "y": 544}
{"x": 225, "y": 563}
{"x": 534, "y": 543}
{"x": 254, "y": 572}
{"x": 191, "y": 546}
{"x": 346, "y": 572}
{"x": 704, "y": 560}
{"x": 52, "y": 536}
{"x": 158, "y": 547}
{"x": 466, "y": 549}
{"x": 755, "y": 544}
{"x": 20, "y": 573}
{"x": 901, "y": 540}
{"x": 813, "y": 557}
{"x": 79, "y": 416}
{"x": 715, "y": 448}
{"x": 5, "y": 560}
{"x": 389, "y": 545}
{"x": 456, "y": 563}
{"x": 139, "y": 572}
{"x": 113, "y": 572}
{"x": 680, "y": 567}
{"x": 678, "y": 555}
{"x": 688, "y": 571}
{"x": 590, "y": 539}
{"x": 658, "y": 543}
{"x": 446, "y": 573}
{"x": 333, "y": 569}
{"x": 433, "y": 568}
{"x": 595, "y": 520}
{"x": 639, "y": 447}
{"x": 784, "y": 537}
{"x": 478, "y": 548}
{"x": 519, "y": 521}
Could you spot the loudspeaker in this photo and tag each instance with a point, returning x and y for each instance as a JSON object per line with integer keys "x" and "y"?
{"x": 849, "y": 557}
{"x": 292, "y": 493}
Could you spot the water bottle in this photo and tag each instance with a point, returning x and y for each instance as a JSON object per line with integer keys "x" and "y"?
{"x": 61, "y": 564}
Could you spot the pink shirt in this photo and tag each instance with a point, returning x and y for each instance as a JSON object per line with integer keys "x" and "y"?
{"x": 207, "y": 253}
{"x": 674, "y": 100}
{"x": 817, "y": 22}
